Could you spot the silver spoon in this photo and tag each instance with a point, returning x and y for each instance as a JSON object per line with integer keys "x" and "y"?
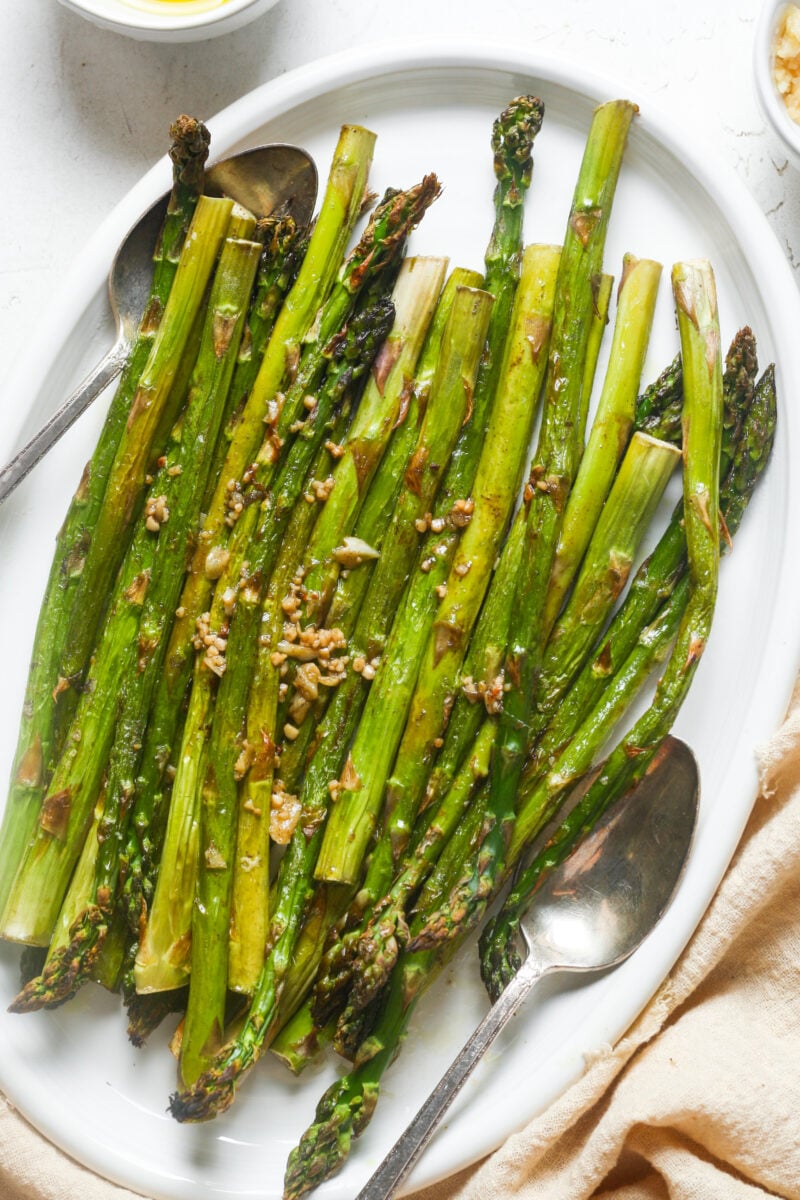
{"x": 590, "y": 913}
{"x": 263, "y": 180}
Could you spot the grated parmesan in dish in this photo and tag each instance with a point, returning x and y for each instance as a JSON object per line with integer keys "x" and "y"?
{"x": 786, "y": 61}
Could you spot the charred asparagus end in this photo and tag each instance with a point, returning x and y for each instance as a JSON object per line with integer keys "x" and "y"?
{"x": 212, "y": 1093}
{"x": 389, "y": 226}
{"x": 69, "y": 968}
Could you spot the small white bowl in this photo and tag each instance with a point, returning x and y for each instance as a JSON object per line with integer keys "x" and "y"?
{"x": 170, "y": 20}
{"x": 769, "y": 97}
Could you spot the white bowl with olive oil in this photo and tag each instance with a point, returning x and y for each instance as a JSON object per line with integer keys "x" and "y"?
{"x": 170, "y": 20}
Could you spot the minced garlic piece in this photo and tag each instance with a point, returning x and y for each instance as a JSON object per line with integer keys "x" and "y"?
{"x": 285, "y": 810}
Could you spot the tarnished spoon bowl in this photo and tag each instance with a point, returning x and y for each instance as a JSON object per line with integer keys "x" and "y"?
{"x": 264, "y": 179}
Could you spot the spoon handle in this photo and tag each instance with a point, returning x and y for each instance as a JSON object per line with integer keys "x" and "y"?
{"x": 87, "y": 391}
{"x": 405, "y": 1152}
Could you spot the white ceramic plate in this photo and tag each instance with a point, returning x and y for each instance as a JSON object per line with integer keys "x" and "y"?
{"x": 71, "y": 1072}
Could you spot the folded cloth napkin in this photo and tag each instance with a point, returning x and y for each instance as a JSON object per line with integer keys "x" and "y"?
{"x": 700, "y": 1100}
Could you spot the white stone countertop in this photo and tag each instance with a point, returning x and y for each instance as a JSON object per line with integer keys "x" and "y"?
{"x": 85, "y": 111}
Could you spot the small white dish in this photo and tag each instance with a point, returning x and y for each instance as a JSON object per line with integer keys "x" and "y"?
{"x": 170, "y": 20}
{"x": 769, "y": 97}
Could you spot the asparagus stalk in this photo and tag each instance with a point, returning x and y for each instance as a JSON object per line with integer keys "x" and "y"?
{"x": 162, "y": 956}
{"x": 626, "y": 516}
{"x": 165, "y": 531}
{"x": 482, "y": 681}
{"x": 414, "y": 299}
{"x": 377, "y": 253}
{"x": 284, "y": 247}
{"x": 611, "y": 427}
{"x": 602, "y": 289}
{"x": 509, "y": 430}
{"x": 415, "y": 296}
{"x": 347, "y": 1106}
{"x": 689, "y": 604}
{"x": 163, "y": 962}
{"x": 38, "y": 888}
{"x": 41, "y": 726}
{"x": 145, "y": 1013}
{"x": 659, "y": 409}
{"x": 214, "y": 1091}
{"x": 513, "y": 135}
{"x": 352, "y": 354}
{"x": 39, "y": 733}
{"x": 280, "y": 363}
{"x": 521, "y": 379}
{"x": 630, "y": 338}
{"x": 592, "y": 593}
{"x": 264, "y": 815}
{"x": 126, "y": 479}
{"x": 353, "y": 820}
{"x": 330, "y": 901}
{"x": 419, "y": 607}
{"x": 634, "y": 497}
{"x": 698, "y": 323}
{"x": 354, "y": 816}
{"x": 660, "y": 573}
{"x": 557, "y": 453}
{"x": 375, "y": 519}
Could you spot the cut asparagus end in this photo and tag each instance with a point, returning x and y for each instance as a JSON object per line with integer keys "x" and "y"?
{"x": 611, "y": 427}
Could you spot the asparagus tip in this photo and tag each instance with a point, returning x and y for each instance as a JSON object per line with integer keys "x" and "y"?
{"x": 189, "y": 149}
{"x": 68, "y": 969}
{"x": 499, "y": 958}
{"x": 342, "y": 1113}
{"x": 376, "y": 954}
{"x": 512, "y": 139}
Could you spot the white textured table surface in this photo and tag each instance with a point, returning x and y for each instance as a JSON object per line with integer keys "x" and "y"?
{"x": 85, "y": 112}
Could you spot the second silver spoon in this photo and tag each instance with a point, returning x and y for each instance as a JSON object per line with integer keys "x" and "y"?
{"x": 591, "y": 913}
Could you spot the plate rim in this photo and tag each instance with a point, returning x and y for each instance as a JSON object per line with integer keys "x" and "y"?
{"x": 754, "y": 235}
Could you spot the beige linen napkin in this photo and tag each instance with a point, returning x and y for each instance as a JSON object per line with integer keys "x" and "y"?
{"x": 699, "y": 1101}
